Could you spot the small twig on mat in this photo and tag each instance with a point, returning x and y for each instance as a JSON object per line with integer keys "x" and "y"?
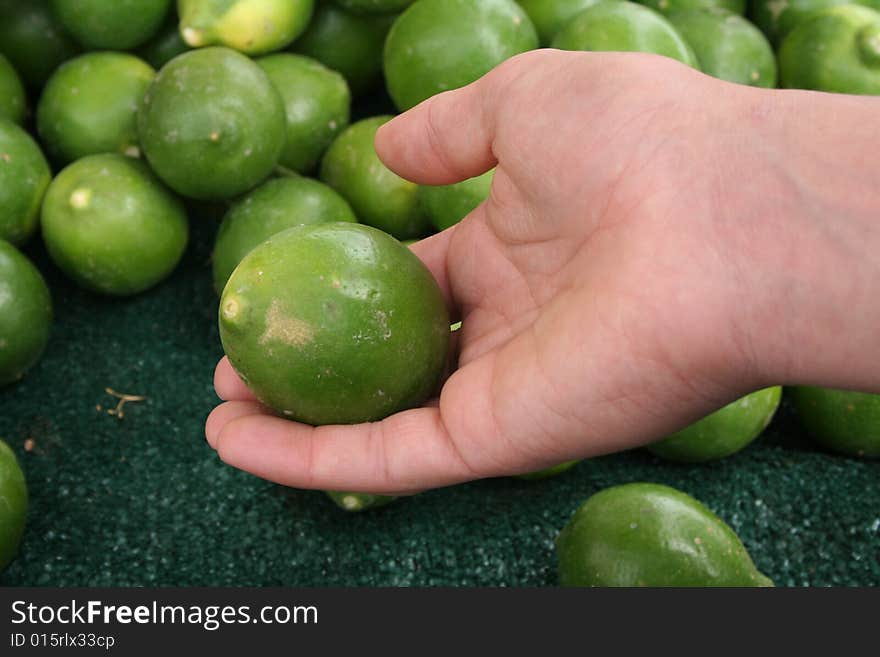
{"x": 123, "y": 399}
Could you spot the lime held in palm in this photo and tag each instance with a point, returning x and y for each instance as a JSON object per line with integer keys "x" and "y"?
{"x": 335, "y": 323}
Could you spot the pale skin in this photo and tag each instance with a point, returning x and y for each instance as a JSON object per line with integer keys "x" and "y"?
{"x": 657, "y": 243}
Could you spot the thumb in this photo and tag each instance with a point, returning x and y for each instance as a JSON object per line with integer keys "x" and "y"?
{"x": 443, "y": 140}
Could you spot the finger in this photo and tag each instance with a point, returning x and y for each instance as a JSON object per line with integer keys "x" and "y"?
{"x": 229, "y": 385}
{"x": 433, "y": 251}
{"x": 405, "y": 453}
{"x": 445, "y": 139}
{"x": 225, "y": 413}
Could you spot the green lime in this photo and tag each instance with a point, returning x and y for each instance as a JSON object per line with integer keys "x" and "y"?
{"x": 436, "y": 45}
{"x": 13, "y": 509}
{"x": 354, "y": 502}
{"x": 111, "y": 24}
{"x": 776, "y": 18}
{"x": 618, "y": 26}
{"x": 347, "y": 43}
{"x": 644, "y": 534}
{"x": 111, "y": 226}
{"x": 13, "y": 102}
{"x": 727, "y": 46}
{"x": 24, "y": 176}
{"x": 254, "y": 27}
{"x": 378, "y": 196}
{"x": 546, "y": 473}
{"x": 335, "y": 323}
{"x": 212, "y": 124}
{"x": 89, "y": 106}
{"x": 549, "y": 16}
{"x": 446, "y": 205}
{"x": 165, "y": 46}
{"x": 836, "y": 50}
{"x": 317, "y": 104}
{"x": 33, "y": 40}
{"x": 724, "y": 432}
{"x": 844, "y": 421}
{"x": 669, "y": 6}
{"x": 25, "y": 319}
{"x": 374, "y": 6}
{"x": 276, "y": 205}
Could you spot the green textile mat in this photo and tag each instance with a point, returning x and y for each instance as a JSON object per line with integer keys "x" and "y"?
{"x": 142, "y": 500}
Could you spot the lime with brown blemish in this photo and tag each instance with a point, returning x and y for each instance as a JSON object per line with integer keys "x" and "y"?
{"x": 335, "y": 323}
{"x": 212, "y": 124}
{"x": 835, "y": 50}
{"x": 25, "y": 315}
{"x": 724, "y": 432}
{"x": 89, "y": 106}
{"x": 446, "y": 205}
{"x": 670, "y": 6}
{"x": 111, "y": 24}
{"x": 111, "y": 226}
{"x": 378, "y": 196}
{"x": 253, "y": 27}
{"x": 547, "y": 473}
{"x": 356, "y": 502}
{"x": 317, "y": 105}
{"x": 727, "y": 46}
{"x": 274, "y": 206}
{"x": 844, "y": 421}
{"x": 620, "y": 26}
{"x": 13, "y": 505}
{"x": 437, "y": 45}
{"x": 549, "y": 16}
{"x": 348, "y": 43}
{"x": 24, "y": 177}
{"x": 33, "y": 40}
{"x": 646, "y": 534}
{"x": 13, "y": 102}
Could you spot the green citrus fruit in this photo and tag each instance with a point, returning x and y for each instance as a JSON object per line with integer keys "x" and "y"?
{"x": 549, "y": 16}
{"x": 254, "y": 27}
{"x": 13, "y": 505}
{"x": 276, "y": 205}
{"x": 335, "y": 323}
{"x": 446, "y": 205}
{"x": 776, "y": 18}
{"x": 354, "y": 502}
{"x": 378, "y": 196}
{"x": 836, "y": 50}
{"x": 111, "y": 226}
{"x": 212, "y": 124}
{"x": 24, "y": 176}
{"x": 669, "y": 6}
{"x": 13, "y": 102}
{"x": 89, "y": 106}
{"x": 645, "y": 534}
{"x": 25, "y": 316}
{"x": 724, "y": 432}
{"x": 437, "y": 45}
{"x": 347, "y": 43}
{"x": 727, "y": 46}
{"x": 111, "y": 24}
{"x": 546, "y": 473}
{"x": 33, "y": 40}
{"x": 841, "y": 420}
{"x": 165, "y": 46}
{"x": 624, "y": 27}
{"x": 374, "y": 6}
{"x": 317, "y": 104}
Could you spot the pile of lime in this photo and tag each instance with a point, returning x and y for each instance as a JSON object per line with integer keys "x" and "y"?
{"x": 117, "y": 118}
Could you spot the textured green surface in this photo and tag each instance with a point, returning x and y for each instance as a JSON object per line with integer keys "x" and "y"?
{"x": 144, "y": 500}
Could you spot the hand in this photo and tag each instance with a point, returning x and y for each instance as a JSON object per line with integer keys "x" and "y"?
{"x": 650, "y": 251}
